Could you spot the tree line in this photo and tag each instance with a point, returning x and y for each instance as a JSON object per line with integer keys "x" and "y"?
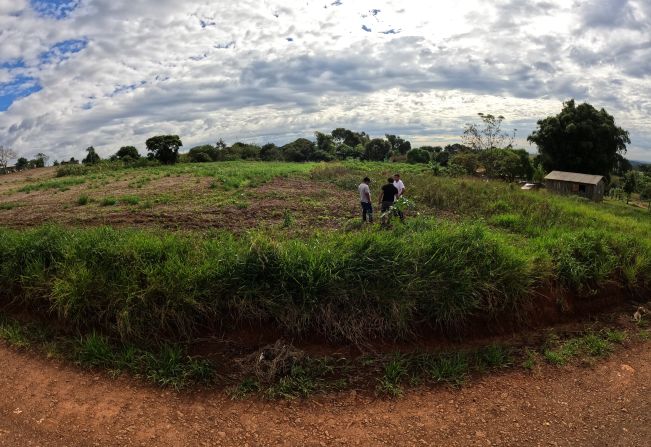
{"x": 578, "y": 139}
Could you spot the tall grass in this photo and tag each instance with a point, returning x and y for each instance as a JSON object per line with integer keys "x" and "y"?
{"x": 138, "y": 284}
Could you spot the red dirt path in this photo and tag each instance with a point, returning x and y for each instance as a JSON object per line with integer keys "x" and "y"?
{"x": 46, "y": 403}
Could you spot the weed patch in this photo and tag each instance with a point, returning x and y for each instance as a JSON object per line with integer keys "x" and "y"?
{"x": 83, "y": 200}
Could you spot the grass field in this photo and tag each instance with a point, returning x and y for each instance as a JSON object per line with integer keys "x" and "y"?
{"x": 166, "y": 254}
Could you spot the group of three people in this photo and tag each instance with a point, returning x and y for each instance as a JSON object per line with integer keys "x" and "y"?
{"x": 391, "y": 192}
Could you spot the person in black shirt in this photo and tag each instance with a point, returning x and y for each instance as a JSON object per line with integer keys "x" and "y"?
{"x": 388, "y": 195}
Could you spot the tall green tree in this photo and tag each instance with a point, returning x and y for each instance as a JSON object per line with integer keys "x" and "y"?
{"x": 630, "y": 184}
{"x": 324, "y": 142}
{"x": 580, "y": 139}
{"x": 92, "y": 157}
{"x": 377, "y": 149}
{"x": 345, "y": 136}
{"x": 164, "y": 148}
{"x": 127, "y": 153}
{"x": 22, "y": 163}
{"x": 398, "y": 145}
{"x": 301, "y": 149}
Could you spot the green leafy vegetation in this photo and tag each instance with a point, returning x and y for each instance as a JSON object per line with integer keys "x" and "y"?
{"x": 58, "y": 184}
{"x": 590, "y": 345}
{"x": 139, "y": 284}
{"x": 9, "y": 205}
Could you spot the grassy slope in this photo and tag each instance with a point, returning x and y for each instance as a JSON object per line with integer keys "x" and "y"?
{"x": 500, "y": 245}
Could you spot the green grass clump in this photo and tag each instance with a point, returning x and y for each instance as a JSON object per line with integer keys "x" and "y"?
{"x": 589, "y": 345}
{"x": 130, "y": 200}
{"x": 83, "y": 200}
{"x": 14, "y": 333}
{"x": 395, "y": 372}
{"x": 166, "y": 366}
{"x": 59, "y": 184}
{"x": 108, "y": 201}
{"x": 452, "y": 368}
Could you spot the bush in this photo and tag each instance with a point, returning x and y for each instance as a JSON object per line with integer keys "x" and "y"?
{"x": 202, "y": 154}
{"x": 418, "y": 156}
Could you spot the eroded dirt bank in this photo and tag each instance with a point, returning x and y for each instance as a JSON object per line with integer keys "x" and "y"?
{"x": 46, "y": 403}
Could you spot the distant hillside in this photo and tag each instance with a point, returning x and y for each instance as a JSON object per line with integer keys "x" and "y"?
{"x": 636, "y": 163}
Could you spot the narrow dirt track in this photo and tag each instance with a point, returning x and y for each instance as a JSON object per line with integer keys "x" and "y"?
{"x": 45, "y": 403}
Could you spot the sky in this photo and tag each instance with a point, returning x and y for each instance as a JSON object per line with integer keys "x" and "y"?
{"x": 110, "y": 73}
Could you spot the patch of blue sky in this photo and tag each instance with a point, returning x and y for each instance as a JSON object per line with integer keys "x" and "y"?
{"x": 56, "y": 9}
{"x": 62, "y": 50}
{"x": 19, "y": 87}
{"x": 127, "y": 87}
{"x": 12, "y": 64}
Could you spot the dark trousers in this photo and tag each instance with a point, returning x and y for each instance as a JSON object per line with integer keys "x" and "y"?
{"x": 367, "y": 212}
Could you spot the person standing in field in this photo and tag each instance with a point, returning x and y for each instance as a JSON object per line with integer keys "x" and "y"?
{"x": 365, "y": 199}
{"x": 397, "y": 182}
{"x": 387, "y": 198}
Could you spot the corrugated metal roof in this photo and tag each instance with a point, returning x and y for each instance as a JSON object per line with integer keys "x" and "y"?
{"x": 574, "y": 177}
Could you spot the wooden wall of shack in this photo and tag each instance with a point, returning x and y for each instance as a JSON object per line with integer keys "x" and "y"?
{"x": 589, "y": 191}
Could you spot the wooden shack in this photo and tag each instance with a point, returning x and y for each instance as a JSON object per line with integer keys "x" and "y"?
{"x": 585, "y": 185}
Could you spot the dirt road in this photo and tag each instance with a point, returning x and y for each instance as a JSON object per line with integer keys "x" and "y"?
{"x": 45, "y": 403}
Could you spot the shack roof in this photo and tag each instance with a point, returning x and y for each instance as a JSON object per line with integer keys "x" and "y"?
{"x": 574, "y": 177}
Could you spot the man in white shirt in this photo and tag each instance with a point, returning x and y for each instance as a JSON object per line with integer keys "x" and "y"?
{"x": 401, "y": 190}
{"x": 365, "y": 200}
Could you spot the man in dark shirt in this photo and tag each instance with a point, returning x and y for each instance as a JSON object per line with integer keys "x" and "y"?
{"x": 388, "y": 195}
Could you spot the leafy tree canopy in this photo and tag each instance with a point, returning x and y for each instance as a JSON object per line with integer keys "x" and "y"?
{"x": 348, "y": 137}
{"x": 164, "y": 148}
{"x": 398, "y": 145}
{"x": 127, "y": 152}
{"x": 580, "y": 139}
{"x": 22, "y": 163}
{"x": 377, "y": 149}
{"x": 301, "y": 149}
{"x": 92, "y": 156}
{"x": 418, "y": 156}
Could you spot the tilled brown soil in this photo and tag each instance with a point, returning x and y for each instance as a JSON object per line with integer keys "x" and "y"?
{"x": 46, "y": 403}
{"x": 178, "y": 202}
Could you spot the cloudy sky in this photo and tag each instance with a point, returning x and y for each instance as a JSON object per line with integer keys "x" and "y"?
{"x": 108, "y": 73}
